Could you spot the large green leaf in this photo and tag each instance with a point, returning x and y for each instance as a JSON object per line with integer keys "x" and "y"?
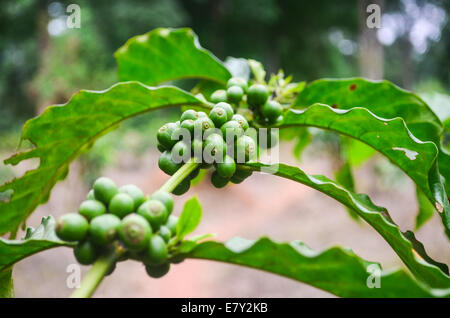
{"x": 168, "y": 54}
{"x": 384, "y": 99}
{"x": 336, "y": 270}
{"x": 61, "y": 133}
{"x": 377, "y": 217}
{"x": 391, "y": 137}
{"x": 38, "y": 240}
{"x": 189, "y": 219}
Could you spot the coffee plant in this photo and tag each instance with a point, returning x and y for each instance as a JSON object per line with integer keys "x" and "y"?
{"x": 229, "y": 119}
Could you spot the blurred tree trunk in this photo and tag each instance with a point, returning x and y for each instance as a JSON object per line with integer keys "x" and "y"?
{"x": 370, "y": 50}
{"x": 407, "y": 65}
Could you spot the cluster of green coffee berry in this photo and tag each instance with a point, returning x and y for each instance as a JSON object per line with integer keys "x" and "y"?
{"x": 266, "y": 111}
{"x": 111, "y": 214}
{"x": 221, "y": 135}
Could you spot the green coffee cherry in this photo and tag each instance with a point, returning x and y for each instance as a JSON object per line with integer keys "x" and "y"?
{"x": 245, "y": 149}
{"x": 135, "y": 193}
{"x": 241, "y": 121}
{"x": 103, "y": 229}
{"x": 135, "y": 232}
{"x": 165, "y": 133}
{"x": 172, "y": 224}
{"x": 182, "y": 187}
{"x": 165, "y": 233}
{"x": 181, "y": 152}
{"x": 227, "y": 168}
{"x": 235, "y": 94}
{"x": 238, "y": 81}
{"x": 157, "y": 271}
{"x": 85, "y": 253}
{"x": 71, "y": 227}
{"x": 166, "y": 164}
{"x": 215, "y": 145}
{"x": 219, "y": 96}
{"x": 154, "y": 212}
{"x": 219, "y": 116}
{"x": 188, "y": 124}
{"x": 90, "y": 195}
{"x": 257, "y": 95}
{"x": 91, "y": 208}
{"x": 218, "y": 181}
{"x": 188, "y": 114}
{"x": 227, "y": 107}
{"x": 231, "y": 130}
{"x": 271, "y": 110}
{"x": 203, "y": 124}
{"x": 157, "y": 250}
{"x": 165, "y": 198}
{"x": 121, "y": 205}
{"x": 104, "y": 189}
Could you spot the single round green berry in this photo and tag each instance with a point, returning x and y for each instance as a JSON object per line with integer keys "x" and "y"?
{"x": 157, "y": 250}
{"x": 215, "y": 146}
{"x": 238, "y": 81}
{"x": 71, "y": 227}
{"x": 121, "y": 205}
{"x": 241, "y": 121}
{"x": 157, "y": 271}
{"x": 154, "y": 212}
{"x": 227, "y": 168}
{"x": 181, "y": 152}
{"x": 203, "y": 124}
{"x": 165, "y": 133}
{"x": 104, "y": 189}
{"x": 135, "y": 193}
{"x": 166, "y": 164}
{"x": 188, "y": 124}
{"x": 188, "y": 114}
{"x": 135, "y": 232}
{"x": 257, "y": 95}
{"x": 231, "y": 130}
{"x": 165, "y": 198}
{"x": 227, "y": 108}
{"x": 103, "y": 229}
{"x": 85, "y": 253}
{"x": 245, "y": 149}
{"x": 271, "y": 140}
{"x": 165, "y": 233}
{"x": 271, "y": 110}
{"x": 219, "y": 96}
{"x": 172, "y": 224}
{"x": 218, "y": 181}
{"x": 235, "y": 94}
{"x": 219, "y": 116}
{"x": 91, "y": 208}
{"x": 182, "y": 187}
{"x": 90, "y": 195}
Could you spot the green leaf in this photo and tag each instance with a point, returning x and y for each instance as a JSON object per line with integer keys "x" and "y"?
{"x": 35, "y": 241}
{"x": 190, "y": 218}
{"x": 377, "y": 217}
{"x": 61, "y": 133}
{"x": 426, "y": 209}
{"x": 164, "y": 55}
{"x": 390, "y": 137}
{"x": 385, "y": 100}
{"x": 6, "y": 284}
{"x": 336, "y": 270}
